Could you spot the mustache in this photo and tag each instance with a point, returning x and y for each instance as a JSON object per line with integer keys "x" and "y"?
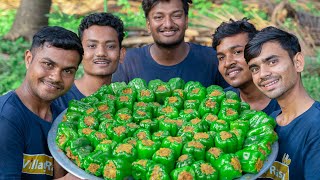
{"x": 56, "y": 84}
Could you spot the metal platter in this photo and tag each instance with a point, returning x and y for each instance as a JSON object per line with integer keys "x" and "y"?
{"x": 69, "y": 166}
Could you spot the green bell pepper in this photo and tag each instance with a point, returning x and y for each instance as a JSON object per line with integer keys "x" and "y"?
{"x": 251, "y": 160}
{"x": 128, "y": 91}
{"x": 229, "y": 167}
{"x": 152, "y": 85}
{"x": 71, "y": 116}
{"x": 208, "y": 105}
{"x": 189, "y": 114}
{"x": 173, "y": 143}
{"x": 142, "y": 134}
{"x": 89, "y": 122}
{"x": 146, "y": 148}
{"x": 145, "y": 95}
{"x": 123, "y": 117}
{"x": 65, "y": 133}
{"x": 94, "y": 162}
{"x": 231, "y": 103}
{"x": 240, "y": 124}
{"x": 184, "y": 160}
{"x": 139, "y": 168}
{"x": 166, "y": 157}
{"x": 78, "y": 147}
{"x": 125, "y": 152}
{"x": 154, "y": 107}
{"x": 174, "y": 101}
{"x": 104, "y": 125}
{"x": 169, "y": 125}
{"x": 187, "y": 131}
{"x": 96, "y": 137}
{"x": 159, "y": 135}
{"x": 227, "y": 141}
{"x": 204, "y": 171}
{"x": 191, "y": 104}
{"x": 197, "y": 122}
{"x": 228, "y": 114}
{"x": 90, "y": 100}
{"x": 232, "y": 95}
{"x": 161, "y": 92}
{"x": 108, "y": 97}
{"x": 244, "y": 106}
{"x": 176, "y": 83}
{"x": 240, "y": 136}
{"x": 151, "y": 126}
{"x": 157, "y": 171}
{"x": 168, "y": 111}
{"x": 124, "y": 101}
{"x": 132, "y": 128}
{"x": 77, "y": 106}
{"x": 213, "y": 154}
{"x": 264, "y": 146}
{"x": 138, "y": 83}
{"x": 208, "y": 118}
{"x": 140, "y": 115}
{"x": 179, "y": 93}
{"x": 117, "y": 132}
{"x": 106, "y": 145}
{"x": 204, "y": 138}
{"x": 85, "y": 132}
{"x": 247, "y": 114}
{"x": 261, "y": 118}
{"x": 105, "y": 116}
{"x": 186, "y": 173}
{"x": 197, "y": 93}
{"x": 217, "y": 94}
{"x": 105, "y": 106}
{"x": 117, "y": 86}
{"x": 190, "y": 85}
{"x": 196, "y": 149}
{"x": 142, "y": 105}
{"x": 219, "y": 125}
{"x": 115, "y": 169}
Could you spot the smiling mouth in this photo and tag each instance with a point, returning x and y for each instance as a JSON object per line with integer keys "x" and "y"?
{"x": 51, "y": 85}
{"x": 270, "y": 83}
{"x": 101, "y": 62}
{"x": 168, "y": 33}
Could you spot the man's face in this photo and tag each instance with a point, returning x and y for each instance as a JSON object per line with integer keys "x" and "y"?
{"x": 50, "y": 71}
{"x": 274, "y": 72}
{"x": 232, "y": 64}
{"x": 101, "y": 50}
{"x": 167, "y": 23}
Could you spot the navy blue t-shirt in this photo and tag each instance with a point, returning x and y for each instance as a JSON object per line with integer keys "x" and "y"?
{"x": 201, "y": 65}
{"x": 73, "y": 93}
{"x": 299, "y": 147}
{"x": 24, "y": 152}
{"x": 269, "y": 109}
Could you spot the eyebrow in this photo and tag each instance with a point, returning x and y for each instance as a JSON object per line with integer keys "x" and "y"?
{"x": 54, "y": 63}
{"x": 269, "y": 57}
{"x": 230, "y": 48}
{"x": 93, "y": 40}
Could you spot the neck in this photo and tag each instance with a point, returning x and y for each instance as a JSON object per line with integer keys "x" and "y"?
{"x": 254, "y": 97}
{"x": 88, "y": 84}
{"x": 169, "y": 56}
{"x": 293, "y": 103}
{"x": 34, "y": 103}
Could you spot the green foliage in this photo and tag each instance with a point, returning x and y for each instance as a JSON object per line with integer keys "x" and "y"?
{"x": 6, "y": 20}
{"x": 58, "y": 18}
{"x": 311, "y": 76}
{"x": 130, "y": 17}
{"x": 12, "y": 67}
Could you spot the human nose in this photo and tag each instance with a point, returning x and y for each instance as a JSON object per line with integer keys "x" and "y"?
{"x": 264, "y": 71}
{"x": 56, "y": 75}
{"x": 168, "y": 22}
{"x": 101, "y": 51}
{"x": 229, "y": 61}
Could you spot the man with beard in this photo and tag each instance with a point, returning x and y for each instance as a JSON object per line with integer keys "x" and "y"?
{"x": 26, "y": 114}
{"x": 101, "y": 35}
{"x": 169, "y": 56}
{"x": 276, "y": 62}
{"x": 229, "y": 40}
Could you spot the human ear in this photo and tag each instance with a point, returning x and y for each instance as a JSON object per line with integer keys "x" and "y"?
{"x": 28, "y": 58}
{"x": 299, "y": 62}
{"x": 122, "y": 54}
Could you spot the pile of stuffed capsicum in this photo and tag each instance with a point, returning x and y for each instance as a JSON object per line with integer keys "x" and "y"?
{"x": 165, "y": 130}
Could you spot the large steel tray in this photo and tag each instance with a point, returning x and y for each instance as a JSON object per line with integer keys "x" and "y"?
{"x": 69, "y": 166}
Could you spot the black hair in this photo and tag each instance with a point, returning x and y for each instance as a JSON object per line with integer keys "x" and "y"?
{"x": 58, "y": 37}
{"x": 231, "y": 28}
{"x": 102, "y": 19}
{"x": 287, "y": 41}
{"x": 147, "y": 5}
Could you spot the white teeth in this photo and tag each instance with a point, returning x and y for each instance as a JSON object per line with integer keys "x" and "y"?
{"x": 233, "y": 72}
{"x": 270, "y": 84}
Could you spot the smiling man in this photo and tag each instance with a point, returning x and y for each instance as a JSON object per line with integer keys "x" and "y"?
{"x": 26, "y": 114}
{"x": 229, "y": 40}
{"x": 276, "y": 62}
{"x": 101, "y": 36}
{"x": 169, "y": 56}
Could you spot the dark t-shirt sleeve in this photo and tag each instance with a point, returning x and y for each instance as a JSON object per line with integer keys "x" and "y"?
{"x": 312, "y": 158}
{"x": 11, "y": 149}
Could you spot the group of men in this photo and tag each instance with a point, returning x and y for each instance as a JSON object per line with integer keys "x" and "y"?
{"x": 263, "y": 67}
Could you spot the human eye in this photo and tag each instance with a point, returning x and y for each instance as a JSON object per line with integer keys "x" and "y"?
{"x": 177, "y": 15}
{"x": 237, "y": 52}
{"x": 111, "y": 46}
{"x": 220, "y": 58}
{"x": 91, "y": 46}
{"x": 254, "y": 69}
{"x": 157, "y": 17}
{"x": 47, "y": 65}
{"x": 272, "y": 62}
{"x": 68, "y": 72}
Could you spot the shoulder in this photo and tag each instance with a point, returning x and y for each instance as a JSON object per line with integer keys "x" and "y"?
{"x": 200, "y": 48}
{"x": 203, "y": 53}
{"x": 230, "y": 88}
{"x": 73, "y": 93}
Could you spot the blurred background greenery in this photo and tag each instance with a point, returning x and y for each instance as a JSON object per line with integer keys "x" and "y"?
{"x": 299, "y": 17}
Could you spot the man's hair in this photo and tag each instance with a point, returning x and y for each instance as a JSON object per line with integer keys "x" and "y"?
{"x": 287, "y": 41}
{"x": 231, "y": 28}
{"x": 58, "y": 37}
{"x": 147, "y": 5}
{"x": 102, "y": 19}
